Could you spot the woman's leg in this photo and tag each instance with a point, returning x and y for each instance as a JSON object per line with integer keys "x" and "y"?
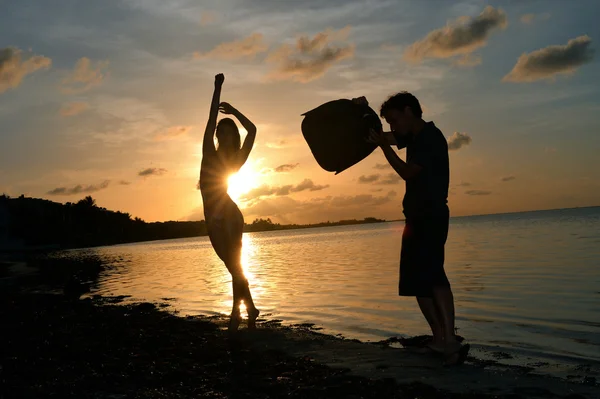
{"x": 221, "y": 242}
{"x": 236, "y": 229}
{"x": 227, "y": 242}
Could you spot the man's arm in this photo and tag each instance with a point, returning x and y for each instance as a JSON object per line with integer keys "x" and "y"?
{"x": 406, "y": 170}
{"x": 395, "y": 139}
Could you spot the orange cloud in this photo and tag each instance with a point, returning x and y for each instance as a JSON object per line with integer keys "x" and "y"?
{"x": 550, "y": 61}
{"x": 174, "y": 132}
{"x": 73, "y": 108}
{"x": 79, "y": 189}
{"x": 267, "y": 191}
{"x": 364, "y": 179}
{"x": 530, "y": 18}
{"x": 152, "y": 172}
{"x": 13, "y": 68}
{"x": 390, "y": 178}
{"x": 207, "y": 18}
{"x": 382, "y": 166}
{"x": 310, "y": 58}
{"x": 478, "y": 192}
{"x": 84, "y": 76}
{"x": 248, "y": 47}
{"x": 286, "y": 167}
{"x": 460, "y": 37}
{"x": 459, "y": 140}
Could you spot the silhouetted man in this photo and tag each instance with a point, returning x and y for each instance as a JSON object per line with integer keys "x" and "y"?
{"x": 426, "y": 172}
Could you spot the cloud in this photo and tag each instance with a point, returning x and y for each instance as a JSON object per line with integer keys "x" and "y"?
{"x": 508, "y": 178}
{"x": 368, "y": 179}
{"x": 73, "y": 108}
{"x": 390, "y": 178}
{"x": 286, "y": 167}
{"x": 152, "y": 172}
{"x": 550, "y": 61}
{"x": 530, "y": 18}
{"x": 310, "y": 58}
{"x": 468, "y": 60}
{"x": 247, "y": 47}
{"x": 13, "y": 67}
{"x": 267, "y": 191}
{"x": 124, "y": 183}
{"x": 278, "y": 145}
{"x": 478, "y": 192}
{"x": 84, "y": 76}
{"x": 458, "y": 140}
{"x": 208, "y": 18}
{"x": 174, "y": 132}
{"x": 459, "y": 38}
{"x": 79, "y": 189}
{"x": 464, "y": 184}
{"x": 308, "y": 184}
{"x": 382, "y": 166}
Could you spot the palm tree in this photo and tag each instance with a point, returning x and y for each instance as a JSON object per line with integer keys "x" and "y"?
{"x": 87, "y": 202}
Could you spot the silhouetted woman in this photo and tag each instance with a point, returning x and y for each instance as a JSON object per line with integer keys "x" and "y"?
{"x": 224, "y": 220}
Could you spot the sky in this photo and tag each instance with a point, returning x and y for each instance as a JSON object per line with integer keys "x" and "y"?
{"x": 110, "y": 98}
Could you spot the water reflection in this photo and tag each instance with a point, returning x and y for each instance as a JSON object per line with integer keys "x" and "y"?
{"x": 345, "y": 280}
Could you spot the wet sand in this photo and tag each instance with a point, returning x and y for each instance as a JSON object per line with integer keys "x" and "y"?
{"x": 59, "y": 346}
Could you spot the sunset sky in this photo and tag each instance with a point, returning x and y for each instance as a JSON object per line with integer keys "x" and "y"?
{"x": 110, "y": 99}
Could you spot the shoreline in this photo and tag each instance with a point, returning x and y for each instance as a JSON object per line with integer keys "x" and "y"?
{"x": 102, "y": 347}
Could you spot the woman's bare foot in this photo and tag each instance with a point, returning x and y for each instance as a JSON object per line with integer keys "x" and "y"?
{"x": 252, "y": 316}
{"x": 234, "y": 321}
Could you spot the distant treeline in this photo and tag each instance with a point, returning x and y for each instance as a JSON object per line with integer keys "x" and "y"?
{"x": 39, "y": 222}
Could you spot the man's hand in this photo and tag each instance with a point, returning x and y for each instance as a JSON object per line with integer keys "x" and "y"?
{"x": 360, "y": 100}
{"x": 377, "y": 137}
{"x": 219, "y": 79}
{"x": 226, "y": 108}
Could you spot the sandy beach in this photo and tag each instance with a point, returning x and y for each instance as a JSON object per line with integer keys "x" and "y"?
{"x": 57, "y": 346}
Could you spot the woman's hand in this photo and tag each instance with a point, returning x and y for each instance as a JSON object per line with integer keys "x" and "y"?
{"x": 226, "y": 108}
{"x": 219, "y": 79}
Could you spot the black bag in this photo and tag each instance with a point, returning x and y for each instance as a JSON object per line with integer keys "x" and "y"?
{"x": 336, "y": 133}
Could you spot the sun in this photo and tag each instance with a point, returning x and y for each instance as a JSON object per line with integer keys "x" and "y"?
{"x": 241, "y": 182}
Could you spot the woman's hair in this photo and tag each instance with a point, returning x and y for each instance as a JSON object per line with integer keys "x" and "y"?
{"x": 227, "y": 127}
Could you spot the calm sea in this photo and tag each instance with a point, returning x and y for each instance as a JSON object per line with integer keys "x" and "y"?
{"x": 526, "y": 282}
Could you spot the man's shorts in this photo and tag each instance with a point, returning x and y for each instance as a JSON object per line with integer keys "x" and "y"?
{"x": 422, "y": 255}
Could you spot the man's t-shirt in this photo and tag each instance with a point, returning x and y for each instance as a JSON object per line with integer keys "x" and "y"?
{"x": 427, "y": 192}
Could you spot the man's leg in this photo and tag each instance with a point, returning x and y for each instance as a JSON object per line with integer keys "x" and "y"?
{"x": 443, "y": 301}
{"x": 429, "y": 310}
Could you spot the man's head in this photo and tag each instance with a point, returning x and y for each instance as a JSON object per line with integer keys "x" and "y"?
{"x": 228, "y": 136}
{"x": 402, "y": 111}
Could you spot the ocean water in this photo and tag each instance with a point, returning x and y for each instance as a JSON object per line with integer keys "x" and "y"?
{"x": 527, "y": 283}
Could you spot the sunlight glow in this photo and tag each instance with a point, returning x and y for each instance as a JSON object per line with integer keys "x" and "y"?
{"x": 243, "y": 181}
